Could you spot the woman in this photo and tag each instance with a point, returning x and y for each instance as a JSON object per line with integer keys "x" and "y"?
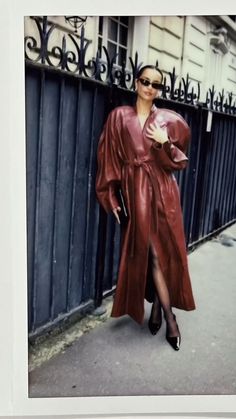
{"x": 139, "y": 149}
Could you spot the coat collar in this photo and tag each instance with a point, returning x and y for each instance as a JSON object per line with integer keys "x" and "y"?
{"x": 133, "y": 123}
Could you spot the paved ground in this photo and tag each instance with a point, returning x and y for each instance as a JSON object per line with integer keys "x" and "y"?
{"x": 118, "y": 357}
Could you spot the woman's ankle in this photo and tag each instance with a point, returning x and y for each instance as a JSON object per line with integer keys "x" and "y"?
{"x": 169, "y": 316}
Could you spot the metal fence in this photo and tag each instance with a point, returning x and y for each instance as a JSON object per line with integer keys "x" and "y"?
{"x": 73, "y": 246}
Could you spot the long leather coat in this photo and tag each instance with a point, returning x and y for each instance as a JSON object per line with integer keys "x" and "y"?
{"x": 128, "y": 159}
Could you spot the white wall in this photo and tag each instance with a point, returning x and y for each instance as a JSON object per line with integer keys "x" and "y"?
{"x": 141, "y": 38}
{"x": 230, "y": 69}
{"x": 184, "y": 43}
{"x": 165, "y": 42}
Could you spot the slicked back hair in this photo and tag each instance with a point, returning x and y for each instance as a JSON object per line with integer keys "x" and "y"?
{"x": 152, "y": 67}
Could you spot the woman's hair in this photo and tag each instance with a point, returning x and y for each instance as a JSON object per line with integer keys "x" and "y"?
{"x": 152, "y": 67}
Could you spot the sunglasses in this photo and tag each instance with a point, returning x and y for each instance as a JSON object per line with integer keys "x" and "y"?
{"x": 145, "y": 82}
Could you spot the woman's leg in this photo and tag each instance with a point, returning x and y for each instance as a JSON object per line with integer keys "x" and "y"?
{"x": 156, "y": 311}
{"x": 162, "y": 296}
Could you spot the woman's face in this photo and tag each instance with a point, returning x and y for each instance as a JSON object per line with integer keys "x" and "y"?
{"x": 148, "y": 93}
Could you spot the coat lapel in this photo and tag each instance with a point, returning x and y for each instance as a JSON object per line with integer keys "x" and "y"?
{"x": 133, "y": 126}
{"x": 137, "y": 134}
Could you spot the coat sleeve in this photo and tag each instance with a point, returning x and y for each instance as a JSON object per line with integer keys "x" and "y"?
{"x": 172, "y": 155}
{"x": 109, "y": 168}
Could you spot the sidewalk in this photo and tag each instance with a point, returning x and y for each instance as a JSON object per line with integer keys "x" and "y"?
{"x": 118, "y": 357}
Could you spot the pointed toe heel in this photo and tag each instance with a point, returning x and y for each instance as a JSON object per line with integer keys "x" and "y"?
{"x": 174, "y": 341}
{"x": 153, "y": 327}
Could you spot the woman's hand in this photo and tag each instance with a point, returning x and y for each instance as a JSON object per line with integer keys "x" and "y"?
{"x": 157, "y": 134}
{"x": 115, "y": 212}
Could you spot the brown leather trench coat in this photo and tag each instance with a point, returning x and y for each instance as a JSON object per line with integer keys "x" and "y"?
{"x": 128, "y": 159}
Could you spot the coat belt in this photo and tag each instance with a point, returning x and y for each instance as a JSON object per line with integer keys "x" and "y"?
{"x": 133, "y": 165}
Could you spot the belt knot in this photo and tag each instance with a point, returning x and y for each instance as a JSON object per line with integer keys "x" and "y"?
{"x": 137, "y": 162}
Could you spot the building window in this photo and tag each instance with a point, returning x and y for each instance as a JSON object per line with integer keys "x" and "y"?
{"x": 114, "y": 34}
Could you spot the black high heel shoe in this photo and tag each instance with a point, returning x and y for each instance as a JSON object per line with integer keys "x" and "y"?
{"x": 154, "y": 327}
{"x": 174, "y": 341}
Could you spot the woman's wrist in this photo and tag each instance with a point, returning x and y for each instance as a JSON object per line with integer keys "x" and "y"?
{"x": 162, "y": 140}
{"x": 158, "y": 144}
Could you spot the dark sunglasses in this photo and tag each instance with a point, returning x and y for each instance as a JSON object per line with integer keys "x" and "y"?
{"x": 145, "y": 82}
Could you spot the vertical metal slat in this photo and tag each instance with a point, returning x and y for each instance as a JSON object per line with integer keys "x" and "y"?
{"x": 71, "y": 246}
{"x": 38, "y": 179}
{"x": 58, "y": 154}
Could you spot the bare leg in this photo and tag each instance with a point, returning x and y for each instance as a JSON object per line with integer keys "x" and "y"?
{"x": 163, "y": 296}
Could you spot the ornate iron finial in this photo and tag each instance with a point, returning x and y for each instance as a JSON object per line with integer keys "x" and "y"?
{"x": 76, "y": 21}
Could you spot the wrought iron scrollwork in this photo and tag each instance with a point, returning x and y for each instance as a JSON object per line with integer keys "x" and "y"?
{"x": 181, "y": 90}
{"x": 220, "y": 102}
{"x": 229, "y": 106}
{"x": 103, "y": 67}
{"x": 59, "y": 56}
{"x": 31, "y": 44}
